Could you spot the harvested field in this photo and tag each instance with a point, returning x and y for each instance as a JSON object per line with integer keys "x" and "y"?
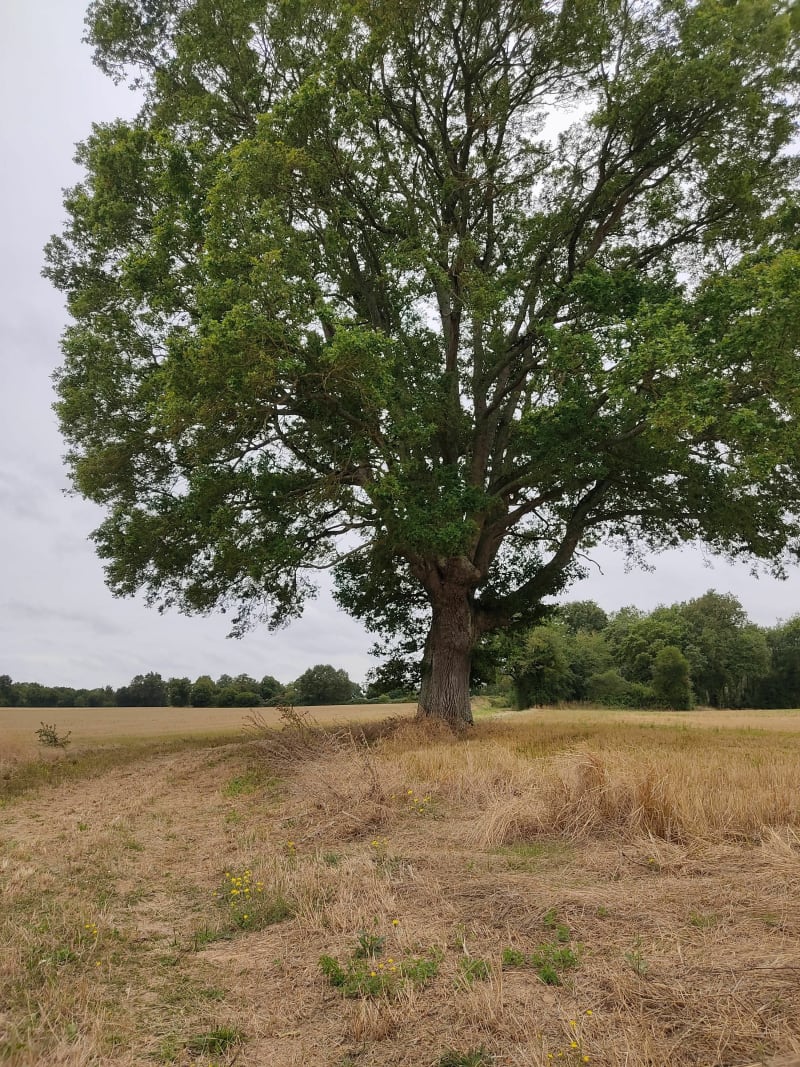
{"x": 558, "y": 886}
{"x": 90, "y": 726}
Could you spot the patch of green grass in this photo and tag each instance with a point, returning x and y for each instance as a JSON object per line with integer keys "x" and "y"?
{"x": 169, "y": 1049}
{"x": 211, "y": 993}
{"x": 473, "y": 969}
{"x": 549, "y": 960}
{"x": 253, "y": 779}
{"x": 704, "y": 921}
{"x": 771, "y": 920}
{"x": 362, "y": 976}
{"x": 207, "y": 935}
{"x": 249, "y": 904}
{"x": 531, "y": 856}
{"x": 217, "y": 1040}
{"x": 477, "y": 1057}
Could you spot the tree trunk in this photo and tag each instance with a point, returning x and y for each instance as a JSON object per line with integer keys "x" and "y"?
{"x": 446, "y": 662}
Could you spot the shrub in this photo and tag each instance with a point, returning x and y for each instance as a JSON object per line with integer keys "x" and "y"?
{"x": 671, "y": 683}
{"x": 49, "y": 735}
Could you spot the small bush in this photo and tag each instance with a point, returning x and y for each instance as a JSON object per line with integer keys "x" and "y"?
{"x": 49, "y": 735}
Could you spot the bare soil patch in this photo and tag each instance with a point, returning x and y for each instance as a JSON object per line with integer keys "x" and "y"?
{"x": 656, "y": 870}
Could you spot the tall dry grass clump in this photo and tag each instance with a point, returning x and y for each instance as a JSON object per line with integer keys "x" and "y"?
{"x": 523, "y": 781}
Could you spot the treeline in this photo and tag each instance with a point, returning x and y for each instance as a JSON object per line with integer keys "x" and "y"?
{"x": 704, "y": 651}
{"x": 322, "y": 684}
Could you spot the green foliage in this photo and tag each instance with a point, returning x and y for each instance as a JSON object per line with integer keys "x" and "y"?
{"x": 249, "y": 904}
{"x": 363, "y": 976}
{"x": 437, "y": 348}
{"x": 143, "y": 691}
{"x": 610, "y": 688}
{"x": 179, "y": 692}
{"x": 671, "y": 685}
{"x": 48, "y": 735}
{"x": 270, "y": 690}
{"x": 204, "y": 693}
{"x": 213, "y": 1041}
{"x": 548, "y": 959}
{"x": 323, "y": 684}
{"x": 582, "y": 617}
{"x": 540, "y": 669}
{"x": 472, "y": 969}
{"x": 368, "y": 945}
{"x": 478, "y": 1057}
{"x": 781, "y": 687}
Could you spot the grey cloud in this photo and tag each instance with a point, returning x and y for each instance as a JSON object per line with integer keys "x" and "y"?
{"x": 37, "y": 613}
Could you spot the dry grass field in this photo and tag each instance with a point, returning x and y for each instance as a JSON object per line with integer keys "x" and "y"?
{"x": 555, "y": 887}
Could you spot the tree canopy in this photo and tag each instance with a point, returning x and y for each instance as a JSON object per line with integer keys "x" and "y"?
{"x": 435, "y": 294}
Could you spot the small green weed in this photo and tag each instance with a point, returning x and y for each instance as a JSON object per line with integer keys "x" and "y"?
{"x": 532, "y": 855}
{"x": 419, "y": 805}
{"x": 770, "y": 919}
{"x": 369, "y": 945}
{"x": 703, "y": 921}
{"x": 168, "y": 1049}
{"x": 512, "y": 957}
{"x": 473, "y": 970}
{"x": 549, "y": 960}
{"x": 249, "y": 905}
{"x": 561, "y": 930}
{"x": 636, "y": 959}
{"x": 477, "y": 1057}
{"x": 363, "y": 975}
{"x": 216, "y": 1040}
{"x": 207, "y": 935}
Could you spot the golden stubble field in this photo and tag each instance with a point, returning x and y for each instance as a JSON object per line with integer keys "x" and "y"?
{"x": 559, "y": 886}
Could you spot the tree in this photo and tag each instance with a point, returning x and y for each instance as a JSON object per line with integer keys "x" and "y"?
{"x": 540, "y": 669}
{"x": 582, "y": 616}
{"x": 8, "y": 692}
{"x": 324, "y": 684}
{"x": 672, "y": 687}
{"x": 270, "y": 689}
{"x": 204, "y": 693}
{"x": 144, "y": 691}
{"x": 436, "y": 294}
{"x": 781, "y": 687}
{"x": 727, "y": 653}
{"x": 179, "y": 691}
{"x": 396, "y": 677}
{"x": 636, "y": 638}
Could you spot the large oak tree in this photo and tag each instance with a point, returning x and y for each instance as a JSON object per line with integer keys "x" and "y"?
{"x": 437, "y": 293}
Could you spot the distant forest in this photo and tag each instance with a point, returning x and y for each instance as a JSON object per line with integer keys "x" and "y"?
{"x": 701, "y": 652}
{"x": 322, "y": 684}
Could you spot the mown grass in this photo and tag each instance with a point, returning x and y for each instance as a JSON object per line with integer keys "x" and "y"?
{"x": 23, "y": 775}
{"x": 559, "y": 887}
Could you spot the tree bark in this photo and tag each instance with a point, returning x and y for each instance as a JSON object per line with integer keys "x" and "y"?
{"x": 444, "y": 690}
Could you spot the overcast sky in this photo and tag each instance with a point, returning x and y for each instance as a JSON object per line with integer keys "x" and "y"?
{"x": 58, "y": 622}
